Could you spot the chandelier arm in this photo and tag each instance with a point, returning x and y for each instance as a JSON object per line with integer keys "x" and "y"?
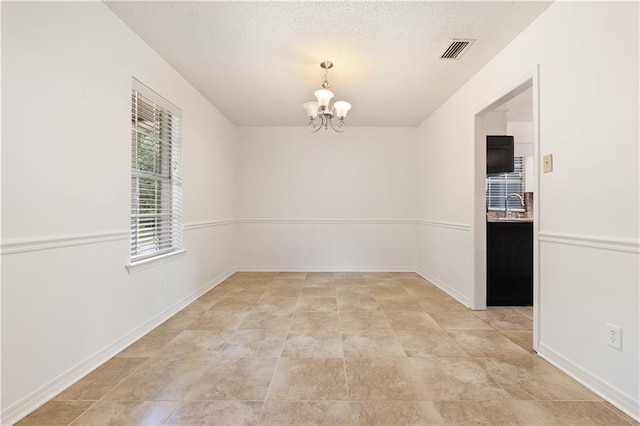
{"x": 339, "y": 127}
{"x": 314, "y": 126}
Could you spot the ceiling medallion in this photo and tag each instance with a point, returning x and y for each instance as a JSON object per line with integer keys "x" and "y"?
{"x": 321, "y": 113}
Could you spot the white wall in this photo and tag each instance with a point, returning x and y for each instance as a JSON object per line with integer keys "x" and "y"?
{"x": 496, "y": 123}
{"x": 522, "y": 133}
{"x": 588, "y": 206}
{"x": 350, "y": 197}
{"x": 67, "y": 301}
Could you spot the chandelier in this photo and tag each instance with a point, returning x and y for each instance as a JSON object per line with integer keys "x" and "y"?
{"x": 320, "y": 112}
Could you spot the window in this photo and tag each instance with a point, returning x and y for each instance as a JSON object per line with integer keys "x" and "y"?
{"x": 156, "y": 175}
{"x": 502, "y": 184}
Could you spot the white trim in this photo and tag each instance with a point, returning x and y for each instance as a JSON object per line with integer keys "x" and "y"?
{"x": 445, "y": 287}
{"x": 521, "y": 124}
{"x": 535, "y": 87}
{"x": 601, "y": 387}
{"x": 208, "y": 224}
{"x": 21, "y": 245}
{"x": 155, "y": 97}
{"x": 529, "y": 79}
{"x": 329, "y": 221}
{"x": 448, "y": 225}
{"x": 628, "y": 245}
{"x": 324, "y": 269}
{"x": 151, "y": 262}
{"x": 49, "y": 390}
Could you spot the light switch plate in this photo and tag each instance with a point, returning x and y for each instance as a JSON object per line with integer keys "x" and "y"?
{"x": 547, "y": 163}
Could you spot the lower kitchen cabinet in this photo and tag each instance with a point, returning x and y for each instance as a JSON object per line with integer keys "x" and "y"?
{"x": 509, "y": 263}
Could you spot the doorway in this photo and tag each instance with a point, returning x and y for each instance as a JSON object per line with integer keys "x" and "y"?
{"x": 528, "y": 82}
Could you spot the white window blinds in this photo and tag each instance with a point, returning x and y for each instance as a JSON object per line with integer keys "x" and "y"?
{"x": 156, "y": 174}
{"x": 502, "y": 184}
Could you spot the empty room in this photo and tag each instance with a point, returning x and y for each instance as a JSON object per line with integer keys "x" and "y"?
{"x": 336, "y": 213}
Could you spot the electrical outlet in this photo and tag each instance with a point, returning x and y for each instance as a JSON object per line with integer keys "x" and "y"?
{"x": 160, "y": 284}
{"x": 614, "y": 336}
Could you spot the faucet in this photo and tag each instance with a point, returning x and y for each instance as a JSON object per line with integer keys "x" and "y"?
{"x": 506, "y": 202}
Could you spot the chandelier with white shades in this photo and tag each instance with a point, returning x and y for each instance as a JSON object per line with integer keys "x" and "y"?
{"x": 321, "y": 113}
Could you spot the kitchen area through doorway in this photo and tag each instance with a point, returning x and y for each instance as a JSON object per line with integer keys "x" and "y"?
{"x": 509, "y": 203}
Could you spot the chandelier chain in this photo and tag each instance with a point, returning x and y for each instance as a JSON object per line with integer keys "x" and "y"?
{"x": 325, "y": 80}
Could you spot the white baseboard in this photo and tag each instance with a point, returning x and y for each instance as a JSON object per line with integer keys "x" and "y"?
{"x": 445, "y": 287}
{"x": 324, "y": 269}
{"x": 34, "y": 400}
{"x": 617, "y": 398}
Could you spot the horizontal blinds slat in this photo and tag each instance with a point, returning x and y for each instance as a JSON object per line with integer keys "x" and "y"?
{"x": 160, "y": 241}
{"x": 149, "y": 229}
{"x": 499, "y": 186}
{"x": 144, "y": 242}
{"x": 150, "y": 94}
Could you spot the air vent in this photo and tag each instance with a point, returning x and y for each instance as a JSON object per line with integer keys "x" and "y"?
{"x": 456, "y": 48}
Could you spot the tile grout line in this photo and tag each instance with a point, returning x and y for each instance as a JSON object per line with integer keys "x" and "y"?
{"x": 344, "y": 362}
{"x": 488, "y": 373}
{"x": 615, "y": 410}
{"x": 78, "y": 416}
{"x": 147, "y": 359}
{"x": 101, "y": 399}
{"x": 384, "y": 313}
{"x": 172, "y": 412}
{"x": 275, "y": 370}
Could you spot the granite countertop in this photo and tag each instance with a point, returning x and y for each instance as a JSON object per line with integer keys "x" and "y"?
{"x": 514, "y": 217}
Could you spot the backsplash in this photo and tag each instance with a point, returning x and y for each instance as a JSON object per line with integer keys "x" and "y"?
{"x": 528, "y": 204}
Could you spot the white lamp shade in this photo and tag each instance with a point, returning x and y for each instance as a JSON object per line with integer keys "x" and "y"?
{"x": 311, "y": 108}
{"x": 342, "y": 108}
{"x": 323, "y": 96}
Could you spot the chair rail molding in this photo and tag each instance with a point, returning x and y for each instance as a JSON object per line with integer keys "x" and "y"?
{"x": 21, "y": 245}
{"x": 629, "y": 245}
{"x": 442, "y": 224}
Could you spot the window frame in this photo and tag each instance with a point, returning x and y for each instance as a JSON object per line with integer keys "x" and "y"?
{"x": 156, "y": 225}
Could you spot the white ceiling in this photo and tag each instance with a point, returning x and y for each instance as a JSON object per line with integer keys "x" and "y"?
{"x": 258, "y": 62}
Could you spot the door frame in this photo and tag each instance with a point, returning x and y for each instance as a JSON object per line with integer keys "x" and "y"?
{"x": 530, "y": 79}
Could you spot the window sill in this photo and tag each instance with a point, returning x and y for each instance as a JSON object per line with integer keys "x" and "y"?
{"x": 141, "y": 265}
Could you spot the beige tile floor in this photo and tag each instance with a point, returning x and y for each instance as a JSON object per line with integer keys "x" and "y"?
{"x": 332, "y": 349}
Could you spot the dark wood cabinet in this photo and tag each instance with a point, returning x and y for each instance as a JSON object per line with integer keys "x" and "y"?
{"x": 500, "y": 154}
{"x": 509, "y": 263}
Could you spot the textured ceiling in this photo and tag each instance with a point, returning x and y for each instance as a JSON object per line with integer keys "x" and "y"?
{"x": 258, "y": 62}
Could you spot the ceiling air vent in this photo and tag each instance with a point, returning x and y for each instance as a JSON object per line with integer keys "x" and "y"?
{"x": 456, "y": 48}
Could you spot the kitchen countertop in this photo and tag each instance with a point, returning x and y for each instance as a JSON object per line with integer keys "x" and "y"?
{"x": 510, "y": 220}
{"x": 497, "y": 217}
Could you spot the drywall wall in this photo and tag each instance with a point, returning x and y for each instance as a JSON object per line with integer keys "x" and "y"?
{"x": 496, "y": 123}
{"x": 588, "y": 205}
{"x": 522, "y": 133}
{"x": 67, "y": 301}
{"x": 319, "y": 201}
